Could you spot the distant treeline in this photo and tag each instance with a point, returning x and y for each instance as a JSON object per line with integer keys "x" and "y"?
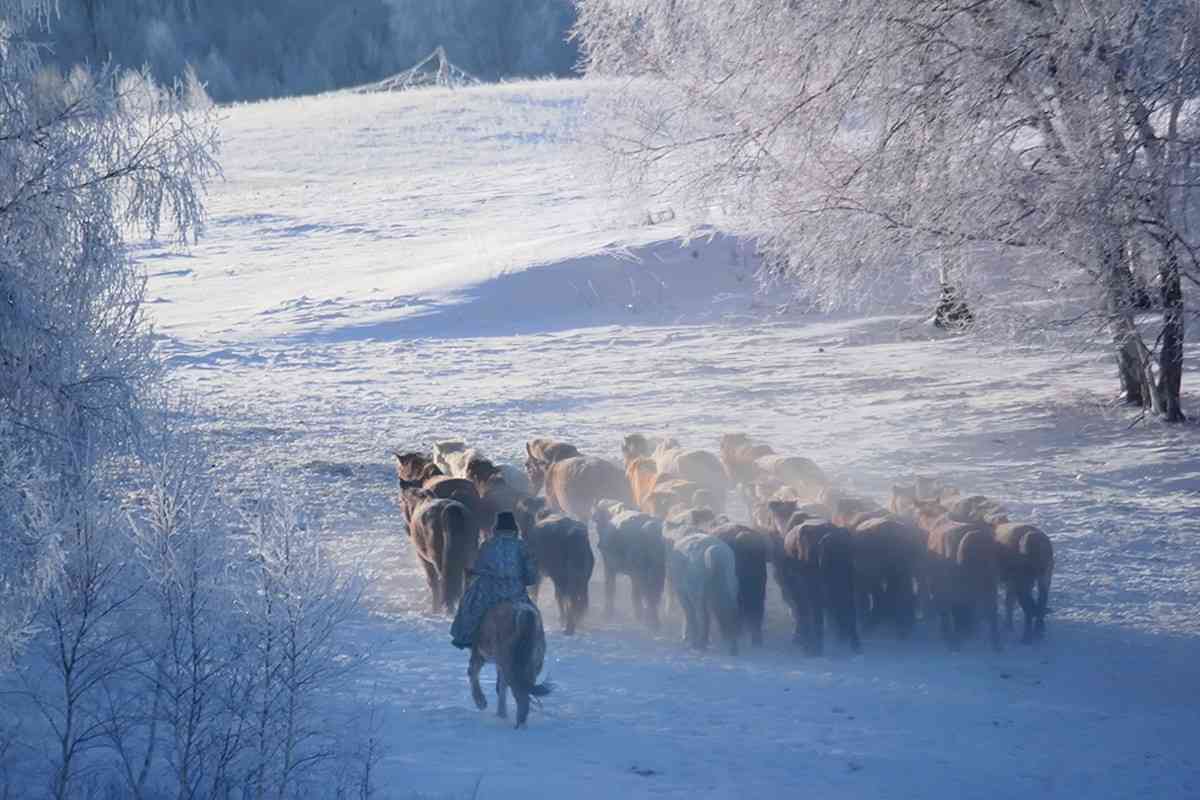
{"x": 252, "y": 49}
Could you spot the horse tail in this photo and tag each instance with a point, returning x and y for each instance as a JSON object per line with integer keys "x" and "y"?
{"x": 524, "y": 674}
{"x": 456, "y": 550}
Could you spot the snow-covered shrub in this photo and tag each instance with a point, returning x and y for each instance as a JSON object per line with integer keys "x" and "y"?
{"x": 292, "y": 604}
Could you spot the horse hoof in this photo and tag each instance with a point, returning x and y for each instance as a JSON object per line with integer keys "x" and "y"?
{"x": 481, "y": 703}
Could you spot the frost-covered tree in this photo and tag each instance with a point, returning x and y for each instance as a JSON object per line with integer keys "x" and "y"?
{"x": 854, "y": 137}
{"x": 83, "y": 160}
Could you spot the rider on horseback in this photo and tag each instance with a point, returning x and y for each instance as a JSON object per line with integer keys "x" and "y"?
{"x": 502, "y": 570}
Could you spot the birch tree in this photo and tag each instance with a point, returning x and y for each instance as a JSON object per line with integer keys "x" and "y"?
{"x": 84, "y": 159}
{"x": 854, "y": 137}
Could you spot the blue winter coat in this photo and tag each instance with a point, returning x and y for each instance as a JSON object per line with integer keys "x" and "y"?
{"x": 503, "y": 568}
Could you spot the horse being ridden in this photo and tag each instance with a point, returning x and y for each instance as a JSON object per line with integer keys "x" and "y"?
{"x": 499, "y": 623}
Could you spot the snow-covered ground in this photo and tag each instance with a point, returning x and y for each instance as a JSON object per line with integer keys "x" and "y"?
{"x": 383, "y": 271}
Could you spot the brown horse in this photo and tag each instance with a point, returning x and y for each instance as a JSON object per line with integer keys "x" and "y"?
{"x": 962, "y": 571}
{"x": 887, "y": 554}
{"x": 738, "y": 455}
{"x": 412, "y": 466}
{"x": 546, "y": 451}
{"x": 459, "y": 489}
{"x": 783, "y": 515}
{"x": 975, "y": 508}
{"x": 444, "y": 542}
{"x": 801, "y": 474}
{"x": 1026, "y": 560}
{"x": 511, "y": 637}
{"x": 814, "y": 566}
{"x": 576, "y": 484}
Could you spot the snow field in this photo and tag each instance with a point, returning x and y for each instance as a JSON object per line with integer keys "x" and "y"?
{"x": 387, "y": 271}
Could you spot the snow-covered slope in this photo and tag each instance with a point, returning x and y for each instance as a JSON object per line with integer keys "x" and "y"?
{"x": 382, "y": 271}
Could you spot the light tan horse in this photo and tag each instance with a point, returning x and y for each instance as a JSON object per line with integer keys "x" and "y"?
{"x": 576, "y": 484}
{"x": 511, "y": 637}
{"x": 641, "y": 473}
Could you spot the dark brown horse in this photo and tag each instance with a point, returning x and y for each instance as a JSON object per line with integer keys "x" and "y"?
{"x": 564, "y": 554}
{"x": 1026, "y": 558}
{"x": 887, "y": 554}
{"x": 814, "y": 566}
{"x": 459, "y": 489}
{"x": 751, "y": 551}
{"x": 631, "y": 543}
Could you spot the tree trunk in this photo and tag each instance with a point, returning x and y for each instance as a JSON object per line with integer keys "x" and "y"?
{"x": 1127, "y": 343}
{"x": 1170, "y": 356}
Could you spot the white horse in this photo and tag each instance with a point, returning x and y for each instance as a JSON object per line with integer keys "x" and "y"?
{"x": 453, "y": 457}
{"x": 703, "y": 578}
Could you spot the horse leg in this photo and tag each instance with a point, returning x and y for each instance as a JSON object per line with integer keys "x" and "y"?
{"x": 1024, "y": 595}
{"x": 847, "y": 622}
{"x": 522, "y": 707}
{"x": 816, "y": 618}
{"x": 1010, "y": 605}
{"x": 1043, "y": 601}
{"x": 501, "y": 690}
{"x": 610, "y": 590}
{"x": 689, "y": 628}
{"x": 754, "y": 620}
{"x": 566, "y": 613}
{"x": 902, "y": 604}
{"x": 704, "y": 618}
{"x": 949, "y": 631}
{"x": 435, "y": 587}
{"x": 473, "y": 668}
{"x": 638, "y": 602}
{"x": 652, "y": 599}
{"x": 990, "y": 607}
{"x": 793, "y": 604}
{"x": 865, "y": 607}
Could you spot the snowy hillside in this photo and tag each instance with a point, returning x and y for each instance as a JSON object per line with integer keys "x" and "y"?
{"x": 384, "y": 271}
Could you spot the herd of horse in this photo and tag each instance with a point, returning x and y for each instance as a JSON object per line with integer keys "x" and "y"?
{"x": 842, "y": 562}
